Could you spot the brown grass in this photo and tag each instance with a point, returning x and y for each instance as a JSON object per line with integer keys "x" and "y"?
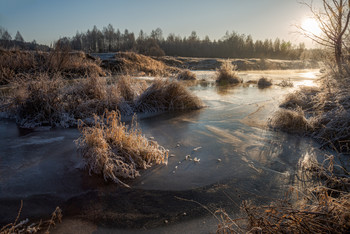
{"x": 24, "y": 64}
{"x": 54, "y": 101}
{"x": 292, "y": 121}
{"x": 24, "y": 226}
{"x": 320, "y": 209}
{"x": 117, "y": 151}
{"x": 164, "y": 95}
{"x": 132, "y": 63}
{"x": 227, "y": 74}
{"x": 286, "y": 83}
{"x": 303, "y": 98}
{"x": 264, "y": 83}
{"x": 186, "y": 75}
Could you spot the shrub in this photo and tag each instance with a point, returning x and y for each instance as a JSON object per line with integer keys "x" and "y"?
{"x": 264, "y": 83}
{"x": 227, "y": 74}
{"x": 117, "y": 151}
{"x": 186, "y": 75}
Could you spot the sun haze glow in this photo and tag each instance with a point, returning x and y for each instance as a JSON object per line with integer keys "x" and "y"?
{"x": 310, "y": 25}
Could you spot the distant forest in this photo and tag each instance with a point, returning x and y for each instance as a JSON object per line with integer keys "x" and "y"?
{"x": 232, "y": 45}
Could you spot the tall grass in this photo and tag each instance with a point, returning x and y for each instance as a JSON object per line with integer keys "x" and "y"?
{"x": 264, "y": 83}
{"x": 186, "y": 75}
{"x": 292, "y": 121}
{"x": 27, "y": 64}
{"x": 133, "y": 63}
{"x": 117, "y": 151}
{"x": 323, "y": 208}
{"x": 164, "y": 95}
{"x": 53, "y": 101}
{"x": 227, "y": 74}
{"x": 326, "y": 109}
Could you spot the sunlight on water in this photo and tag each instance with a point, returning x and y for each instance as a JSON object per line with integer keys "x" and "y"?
{"x": 308, "y": 75}
{"x": 306, "y": 83}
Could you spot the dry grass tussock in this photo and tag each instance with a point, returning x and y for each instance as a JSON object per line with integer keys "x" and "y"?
{"x": 327, "y": 109}
{"x": 133, "y": 63}
{"x": 286, "y": 83}
{"x": 53, "y": 101}
{"x": 25, "y": 227}
{"x": 27, "y": 64}
{"x": 117, "y": 151}
{"x": 264, "y": 83}
{"x": 164, "y": 95}
{"x": 186, "y": 75}
{"x": 227, "y": 74}
{"x": 292, "y": 121}
{"x": 320, "y": 209}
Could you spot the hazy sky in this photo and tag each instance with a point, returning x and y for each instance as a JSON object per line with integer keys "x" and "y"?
{"x": 47, "y": 20}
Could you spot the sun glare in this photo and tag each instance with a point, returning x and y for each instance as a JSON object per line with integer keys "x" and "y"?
{"x": 310, "y": 25}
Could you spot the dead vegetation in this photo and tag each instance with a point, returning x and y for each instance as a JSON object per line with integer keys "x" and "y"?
{"x": 323, "y": 208}
{"x": 16, "y": 64}
{"x": 117, "y": 151}
{"x": 286, "y": 83}
{"x": 227, "y": 74}
{"x": 25, "y": 227}
{"x": 186, "y": 75}
{"x": 53, "y": 101}
{"x": 292, "y": 121}
{"x": 164, "y": 95}
{"x": 264, "y": 83}
{"x": 326, "y": 109}
{"x": 136, "y": 64}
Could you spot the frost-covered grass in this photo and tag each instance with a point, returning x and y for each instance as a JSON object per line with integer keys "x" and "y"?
{"x": 227, "y": 74}
{"x": 264, "y": 82}
{"x": 186, "y": 75}
{"x": 24, "y": 226}
{"x": 292, "y": 121}
{"x": 286, "y": 83}
{"x": 323, "y": 208}
{"x": 53, "y": 101}
{"x": 26, "y": 65}
{"x": 326, "y": 109}
{"x": 117, "y": 151}
{"x": 164, "y": 95}
{"x": 133, "y": 63}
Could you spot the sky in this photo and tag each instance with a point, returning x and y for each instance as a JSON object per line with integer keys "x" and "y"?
{"x": 48, "y": 20}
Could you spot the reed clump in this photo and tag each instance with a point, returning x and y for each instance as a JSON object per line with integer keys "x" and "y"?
{"x": 327, "y": 110}
{"x": 264, "y": 83}
{"x": 165, "y": 95}
{"x": 133, "y": 63}
{"x": 292, "y": 121}
{"x": 51, "y": 100}
{"x": 186, "y": 75}
{"x": 227, "y": 74}
{"x": 115, "y": 150}
{"x": 16, "y": 64}
{"x": 286, "y": 83}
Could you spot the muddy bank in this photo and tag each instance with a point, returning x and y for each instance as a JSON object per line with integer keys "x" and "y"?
{"x": 242, "y": 64}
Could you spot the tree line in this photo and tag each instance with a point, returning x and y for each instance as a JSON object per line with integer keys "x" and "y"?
{"x": 231, "y": 45}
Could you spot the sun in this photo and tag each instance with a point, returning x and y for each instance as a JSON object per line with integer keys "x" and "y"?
{"x": 310, "y": 25}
